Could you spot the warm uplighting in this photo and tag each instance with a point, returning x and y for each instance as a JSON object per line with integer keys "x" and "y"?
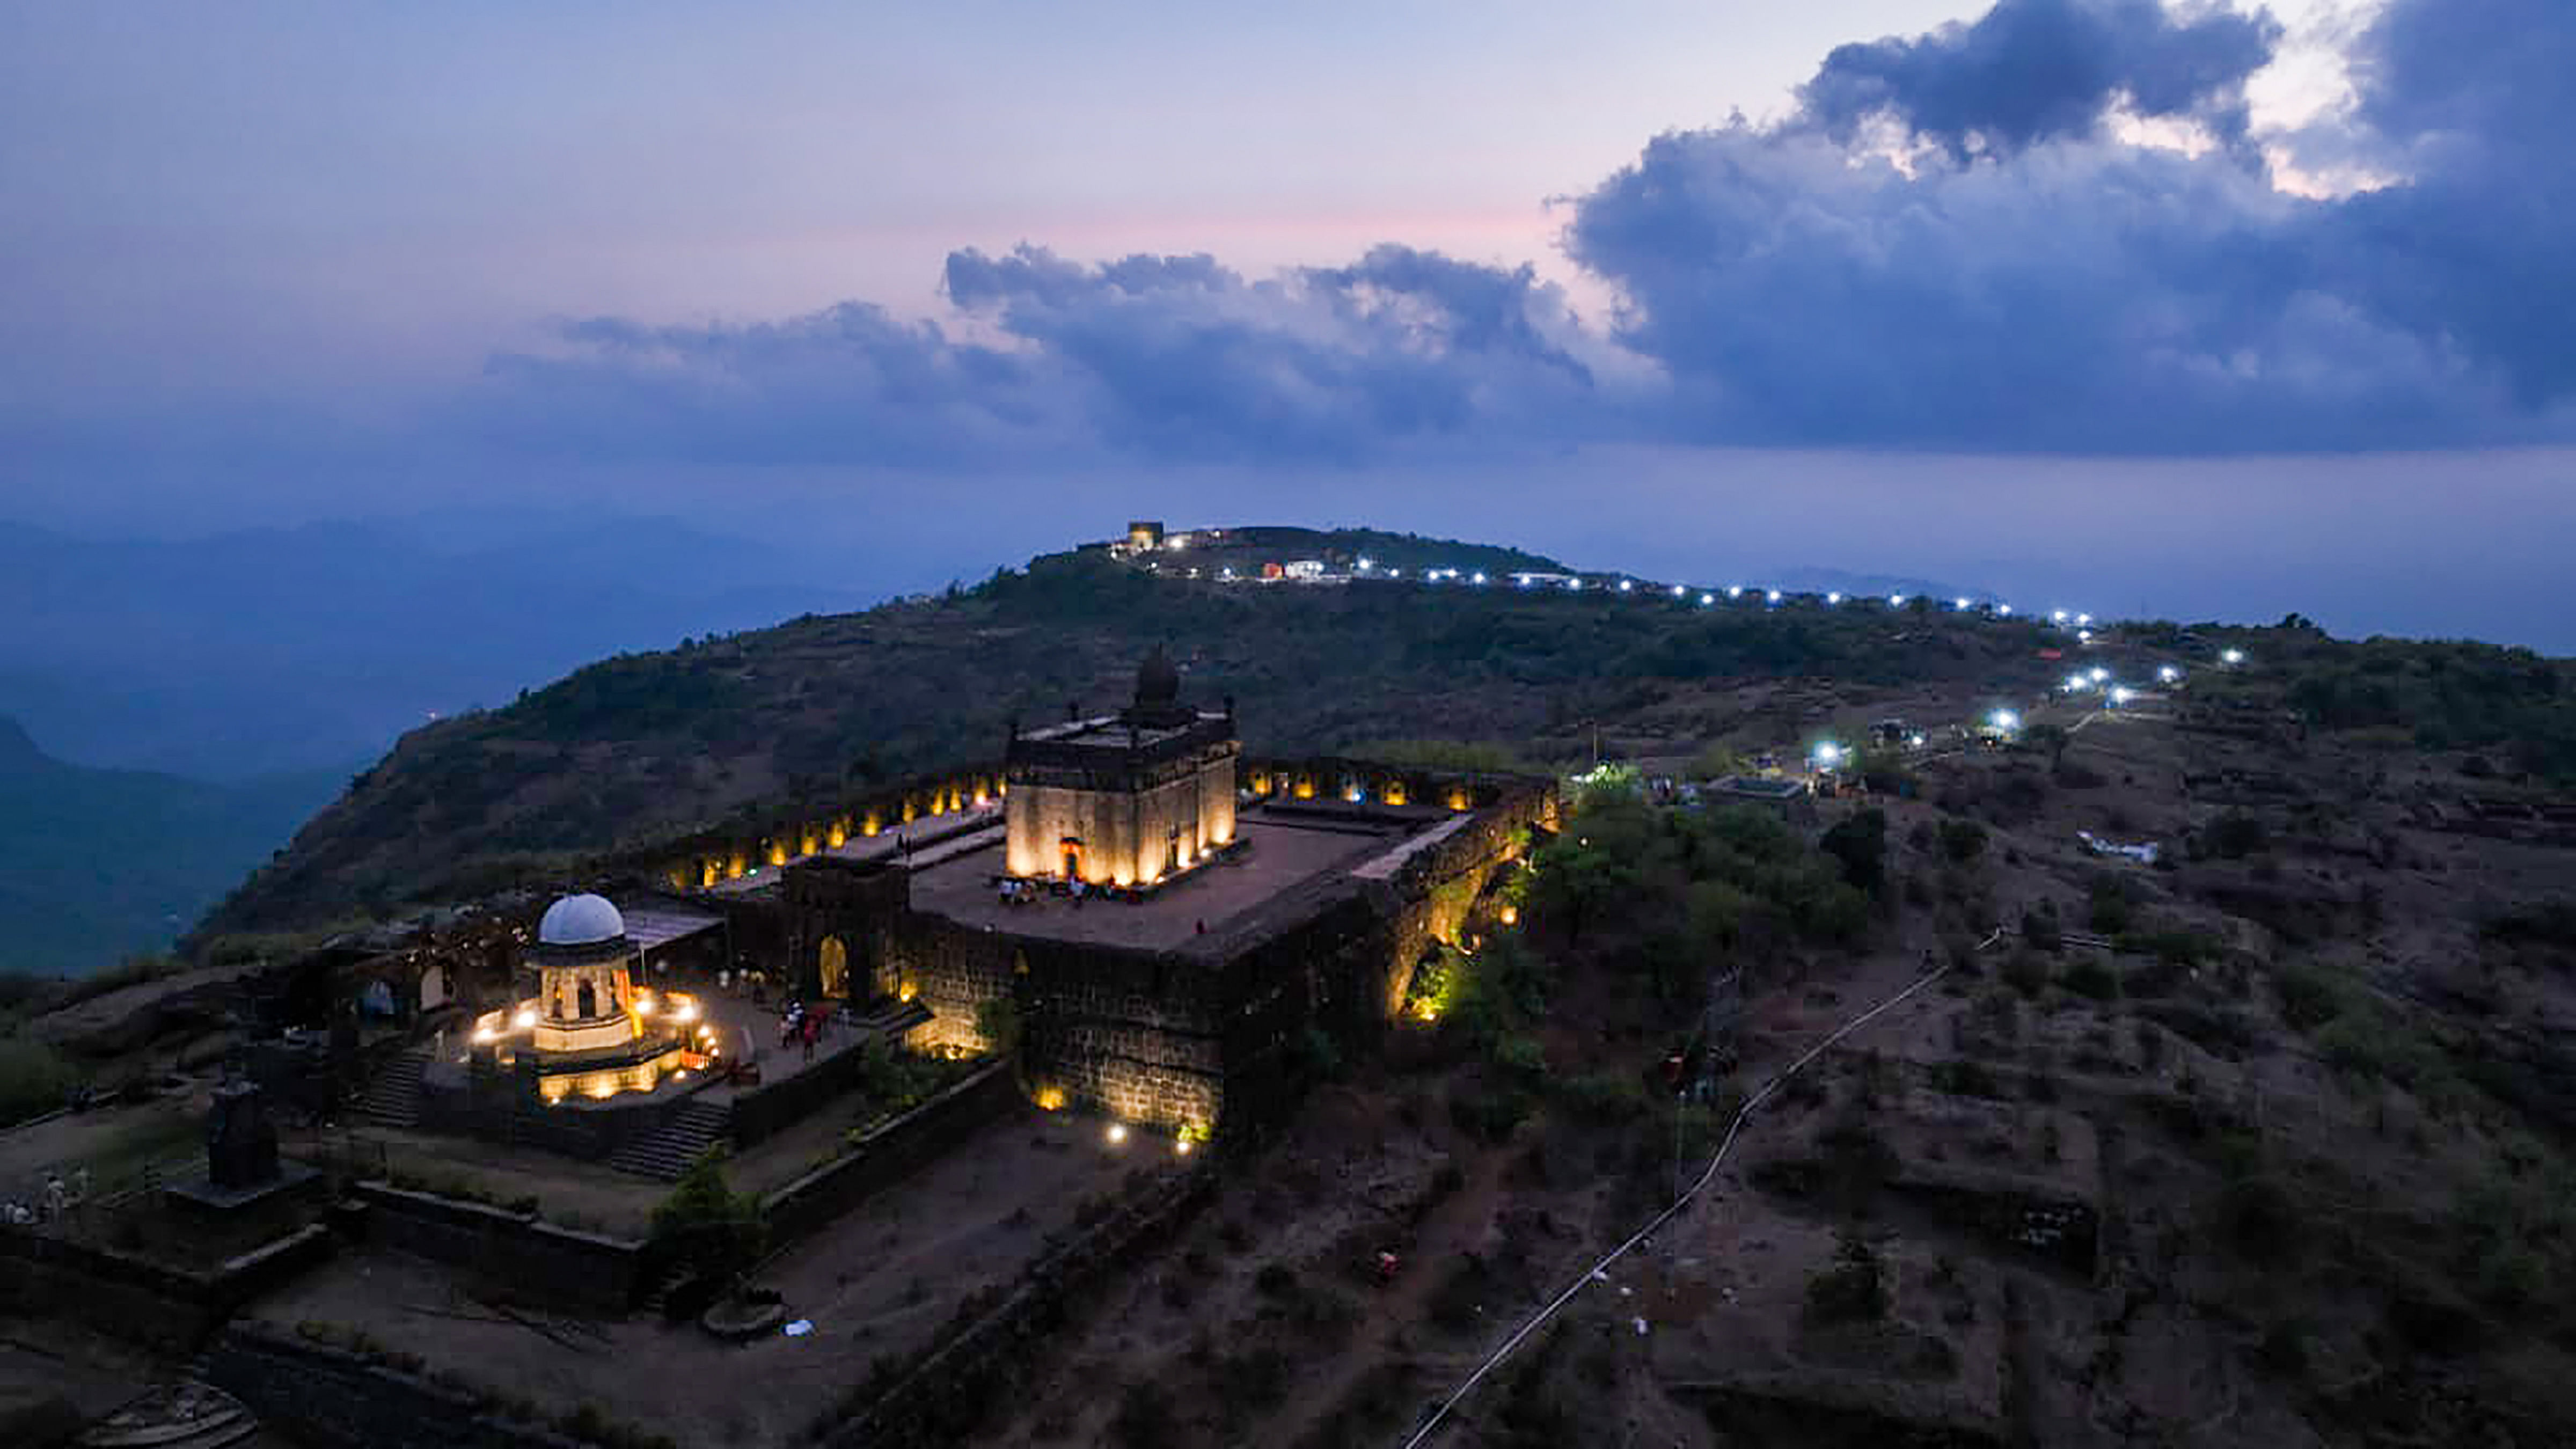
{"x": 484, "y": 1034}
{"x": 1117, "y": 1133}
{"x": 643, "y": 1003}
{"x": 684, "y": 1009}
{"x": 1181, "y": 1147}
{"x": 1511, "y": 915}
{"x": 1050, "y": 1099}
{"x": 526, "y": 1018}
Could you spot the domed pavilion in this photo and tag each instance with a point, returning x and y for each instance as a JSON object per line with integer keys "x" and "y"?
{"x": 589, "y": 1030}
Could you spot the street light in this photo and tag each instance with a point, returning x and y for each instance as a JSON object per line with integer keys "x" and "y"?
{"x": 1828, "y": 755}
{"x": 2100, "y": 675}
{"x": 1707, "y": 599}
{"x": 1773, "y": 596}
{"x": 1833, "y": 598}
{"x": 2004, "y": 720}
{"x": 2232, "y": 656}
{"x": 1479, "y": 578}
{"x": 1896, "y": 601}
{"x": 2168, "y": 674}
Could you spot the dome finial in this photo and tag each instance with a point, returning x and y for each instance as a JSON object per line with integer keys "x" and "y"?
{"x": 1158, "y": 684}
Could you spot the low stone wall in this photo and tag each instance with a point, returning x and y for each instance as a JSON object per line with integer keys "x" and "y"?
{"x": 957, "y": 1384}
{"x": 499, "y": 1105}
{"x": 557, "y": 1265}
{"x": 137, "y": 1299}
{"x": 773, "y": 1107}
{"x": 890, "y": 1153}
{"x": 327, "y": 1396}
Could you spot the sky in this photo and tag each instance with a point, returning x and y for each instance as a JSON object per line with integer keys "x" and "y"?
{"x": 2202, "y": 308}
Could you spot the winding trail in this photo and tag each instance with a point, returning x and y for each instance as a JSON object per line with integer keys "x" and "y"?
{"x": 1535, "y": 1321}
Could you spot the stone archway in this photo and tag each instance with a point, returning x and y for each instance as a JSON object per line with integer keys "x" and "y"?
{"x": 834, "y": 960}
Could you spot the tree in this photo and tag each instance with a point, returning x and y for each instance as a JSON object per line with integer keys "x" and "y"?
{"x": 2052, "y": 738}
{"x": 706, "y": 1224}
{"x": 1860, "y": 843}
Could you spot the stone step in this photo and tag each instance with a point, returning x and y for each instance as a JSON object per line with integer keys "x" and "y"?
{"x": 698, "y": 1126}
{"x": 393, "y": 1095}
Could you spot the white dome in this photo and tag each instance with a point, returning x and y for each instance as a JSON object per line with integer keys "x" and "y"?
{"x": 580, "y": 921}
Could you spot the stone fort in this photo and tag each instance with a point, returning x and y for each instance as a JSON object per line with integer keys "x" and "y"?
{"x": 1156, "y": 917}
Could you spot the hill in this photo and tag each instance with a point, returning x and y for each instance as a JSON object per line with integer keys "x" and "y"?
{"x": 96, "y": 865}
{"x": 647, "y": 746}
{"x": 264, "y": 651}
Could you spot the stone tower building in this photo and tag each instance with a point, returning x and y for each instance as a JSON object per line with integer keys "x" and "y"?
{"x": 1125, "y": 799}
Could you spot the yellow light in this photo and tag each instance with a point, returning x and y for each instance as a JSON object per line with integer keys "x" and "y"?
{"x": 1117, "y": 1133}
{"x": 1051, "y": 1099}
{"x": 1182, "y": 1147}
{"x": 1511, "y": 915}
{"x": 687, "y": 1010}
{"x": 643, "y": 1003}
{"x": 706, "y": 1033}
{"x": 526, "y": 1018}
{"x": 484, "y": 1033}
{"x": 908, "y": 990}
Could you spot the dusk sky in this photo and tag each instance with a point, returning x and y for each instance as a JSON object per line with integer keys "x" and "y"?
{"x": 2203, "y": 309}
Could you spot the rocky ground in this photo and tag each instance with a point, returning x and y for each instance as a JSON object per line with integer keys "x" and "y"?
{"x": 2279, "y": 1164}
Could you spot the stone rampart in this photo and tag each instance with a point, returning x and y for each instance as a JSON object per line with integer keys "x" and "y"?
{"x": 886, "y": 1155}
{"x": 551, "y": 1264}
{"x": 955, "y": 1386}
{"x": 328, "y": 1396}
{"x": 137, "y": 1299}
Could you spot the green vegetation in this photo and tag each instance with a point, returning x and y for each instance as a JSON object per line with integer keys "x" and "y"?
{"x": 1853, "y": 1289}
{"x": 2446, "y": 694}
{"x": 1489, "y": 757}
{"x": 717, "y": 1232}
{"x": 646, "y": 748}
{"x": 98, "y": 864}
{"x": 1682, "y": 892}
{"x": 34, "y": 1079}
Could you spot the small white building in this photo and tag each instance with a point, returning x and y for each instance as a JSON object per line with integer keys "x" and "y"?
{"x": 1306, "y": 569}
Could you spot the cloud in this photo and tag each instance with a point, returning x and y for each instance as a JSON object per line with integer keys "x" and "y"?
{"x": 2039, "y": 70}
{"x": 1956, "y": 241}
{"x": 2010, "y": 275}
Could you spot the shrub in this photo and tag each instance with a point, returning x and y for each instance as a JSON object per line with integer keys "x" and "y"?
{"x": 1962, "y": 840}
{"x": 2039, "y": 930}
{"x": 2088, "y": 976}
{"x": 1852, "y": 1289}
{"x": 2236, "y": 835}
{"x": 2025, "y": 972}
{"x": 34, "y": 1079}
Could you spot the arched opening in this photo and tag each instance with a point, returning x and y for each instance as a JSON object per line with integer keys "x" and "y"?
{"x": 835, "y": 962}
{"x": 589, "y": 998}
{"x": 1072, "y": 847}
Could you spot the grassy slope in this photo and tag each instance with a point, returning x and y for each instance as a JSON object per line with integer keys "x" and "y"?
{"x": 646, "y": 746}
{"x": 96, "y": 865}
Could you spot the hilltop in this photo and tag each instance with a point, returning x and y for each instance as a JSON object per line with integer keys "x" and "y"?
{"x": 645, "y": 747}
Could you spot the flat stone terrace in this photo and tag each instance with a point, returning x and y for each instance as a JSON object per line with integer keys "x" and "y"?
{"x": 1281, "y": 856}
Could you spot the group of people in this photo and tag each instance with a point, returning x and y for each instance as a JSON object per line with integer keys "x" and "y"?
{"x": 803, "y": 1028}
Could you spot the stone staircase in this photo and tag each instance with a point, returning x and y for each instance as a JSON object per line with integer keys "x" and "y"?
{"x": 664, "y": 1155}
{"x": 393, "y": 1096}
{"x": 889, "y": 1019}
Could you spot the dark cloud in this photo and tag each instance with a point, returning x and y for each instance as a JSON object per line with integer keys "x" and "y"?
{"x": 2039, "y": 70}
{"x": 1949, "y": 245}
{"x": 2050, "y": 287}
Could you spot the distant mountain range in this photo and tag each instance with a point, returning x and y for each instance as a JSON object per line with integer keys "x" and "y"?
{"x": 254, "y": 653}
{"x": 97, "y": 865}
